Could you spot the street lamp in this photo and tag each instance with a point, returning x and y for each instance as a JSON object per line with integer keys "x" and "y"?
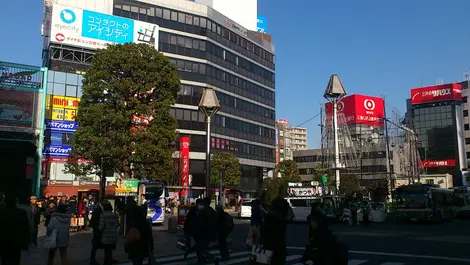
{"x": 209, "y": 106}
{"x": 334, "y": 91}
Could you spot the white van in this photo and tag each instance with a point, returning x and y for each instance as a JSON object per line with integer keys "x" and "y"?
{"x": 245, "y": 209}
{"x": 301, "y": 207}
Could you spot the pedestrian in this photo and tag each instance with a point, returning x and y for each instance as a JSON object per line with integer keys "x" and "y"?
{"x": 60, "y": 222}
{"x": 35, "y": 219}
{"x": 224, "y": 228}
{"x": 144, "y": 204}
{"x": 273, "y": 231}
{"x": 83, "y": 211}
{"x": 96, "y": 241}
{"x": 109, "y": 232}
{"x": 256, "y": 220}
{"x": 143, "y": 246}
{"x": 191, "y": 227}
{"x": 14, "y": 231}
{"x": 48, "y": 213}
{"x": 323, "y": 247}
{"x": 354, "y": 207}
{"x": 365, "y": 213}
{"x": 207, "y": 230}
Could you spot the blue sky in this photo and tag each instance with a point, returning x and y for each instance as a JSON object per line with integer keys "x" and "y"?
{"x": 376, "y": 47}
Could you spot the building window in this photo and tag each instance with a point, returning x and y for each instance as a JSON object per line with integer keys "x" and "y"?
{"x": 465, "y": 113}
{"x": 466, "y": 127}
{"x": 464, "y": 99}
{"x": 430, "y": 181}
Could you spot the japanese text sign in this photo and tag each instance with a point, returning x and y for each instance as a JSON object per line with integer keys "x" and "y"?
{"x": 302, "y": 192}
{"x": 89, "y": 29}
{"x": 127, "y": 187}
{"x": 184, "y": 160}
{"x": 57, "y": 150}
{"x": 439, "y": 163}
{"x": 61, "y": 126}
{"x": 436, "y": 93}
{"x": 358, "y": 109}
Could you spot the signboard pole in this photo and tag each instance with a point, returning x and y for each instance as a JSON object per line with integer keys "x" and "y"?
{"x": 37, "y": 187}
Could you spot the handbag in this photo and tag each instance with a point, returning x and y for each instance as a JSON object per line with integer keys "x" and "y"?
{"x": 50, "y": 241}
{"x": 260, "y": 255}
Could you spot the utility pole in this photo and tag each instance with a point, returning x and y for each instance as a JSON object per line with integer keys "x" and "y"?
{"x": 387, "y": 150}
{"x": 321, "y": 138}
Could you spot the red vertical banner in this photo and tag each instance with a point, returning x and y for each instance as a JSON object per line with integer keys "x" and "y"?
{"x": 184, "y": 162}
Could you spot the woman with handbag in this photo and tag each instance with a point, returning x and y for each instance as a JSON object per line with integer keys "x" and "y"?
{"x": 140, "y": 246}
{"x": 57, "y": 235}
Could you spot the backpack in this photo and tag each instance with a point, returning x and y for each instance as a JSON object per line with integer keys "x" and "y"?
{"x": 228, "y": 222}
{"x": 132, "y": 237}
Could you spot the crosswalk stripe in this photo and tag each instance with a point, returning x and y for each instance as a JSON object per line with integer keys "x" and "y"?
{"x": 179, "y": 260}
{"x": 245, "y": 259}
{"x": 177, "y": 257}
{"x": 392, "y": 263}
{"x": 356, "y": 261}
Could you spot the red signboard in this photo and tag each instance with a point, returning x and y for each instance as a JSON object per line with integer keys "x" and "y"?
{"x": 358, "y": 109}
{"x": 184, "y": 162}
{"x": 436, "y": 93}
{"x": 439, "y": 163}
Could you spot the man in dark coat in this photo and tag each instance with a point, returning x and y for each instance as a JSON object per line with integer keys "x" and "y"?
{"x": 14, "y": 231}
{"x": 224, "y": 228}
{"x": 35, "y": 219}
{"x": 191, "y": 226}
{"x": 96, "y": 241}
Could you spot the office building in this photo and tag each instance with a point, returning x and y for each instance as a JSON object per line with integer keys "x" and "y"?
{"x": 208, "y": 49}
{"x": 289, "y": 139}
{"x": 438, "y": 120}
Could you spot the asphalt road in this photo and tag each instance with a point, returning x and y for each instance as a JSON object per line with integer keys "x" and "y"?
{"x": 392, "y": 242}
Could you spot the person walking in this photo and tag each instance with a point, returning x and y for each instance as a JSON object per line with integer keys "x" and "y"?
{"x": 365, "y": 213}
{"x": 191, "y": 227}
{"x": 273, "y": 231}
{"x": 83, "y": 211}
{"x": 354, "y": 208}
{"x": 225, "y": 226}
{"x": 96, "y": 241}
{"x": 143, "y": 247}
{"x": 48, "y": 213}
{"x": 60, "y": 222}
{"x": 256, "y": 220}
{"x": 14, "y": 231}
{"x": 35, "y": 219}
{"x": 109, "y": 232}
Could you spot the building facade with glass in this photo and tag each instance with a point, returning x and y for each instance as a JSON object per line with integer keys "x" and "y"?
{"x": 209, "y": 50}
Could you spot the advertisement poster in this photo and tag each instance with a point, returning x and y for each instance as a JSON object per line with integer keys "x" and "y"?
{"x": 61, "y": 126}
{"x": 184, "y": 161}
{"x": 436, "y": 93}
{"x": 357, "y": 109}
{"x": 262, "y": 25}
{"x": 89, "y": 29}
{"x": 16, "y": 108}
{"x": 127, "y": 187}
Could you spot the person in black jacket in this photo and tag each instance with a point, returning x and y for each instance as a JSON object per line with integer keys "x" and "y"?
{"x": 144, "y": 247}
{"x": 35, "y": 212}
{"x": 273, "y": 231}
{"x": 14, "y": 232}
{"x": 191, "y": 226}
{"x": 323, "y": 248}
{"x": 224, "y": 228}
{"x": 96, "y": 241}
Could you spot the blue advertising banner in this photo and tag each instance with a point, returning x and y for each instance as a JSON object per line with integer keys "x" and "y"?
{"x": 61, "y": 126}
{"x": 57, "y": 150}
{"x": 262, "y": 25}
{"x": 106, "y": 27}
{"x": 56, "y": 139}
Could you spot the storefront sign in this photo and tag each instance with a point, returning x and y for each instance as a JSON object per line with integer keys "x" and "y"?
{"x": 436, "y": 93}
{"x": 65, "y": 102}
{"x": 127, "y": 187}
{"x": 357, "y": 109}
{"x": 60, "y": 182}
{"x": 57, "y": 150}
{"x": 301, "y": 192}
{"x": 184, "y": 160}
{"x": 89, "y": 183}
{"x": 61, "y": 126}
{"x": 16, "y": 77}
{"x": 16, "y": 108}
{"x": 439, "y": 163}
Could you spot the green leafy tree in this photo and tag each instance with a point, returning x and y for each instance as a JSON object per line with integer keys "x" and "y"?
{"x": 124, "y": 114}
{"x": 349, "y": 184}
{"x": 289, "y": 173}
{"x": 271, "y": 189}
{"x": 229, "y": 164}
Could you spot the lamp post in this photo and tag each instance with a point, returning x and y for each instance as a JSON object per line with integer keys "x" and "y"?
{"x": 334, "y": 91}
{"x": 209, "y": 106}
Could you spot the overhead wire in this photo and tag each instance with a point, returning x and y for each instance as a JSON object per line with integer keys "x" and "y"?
{"x": 318, "y": 114}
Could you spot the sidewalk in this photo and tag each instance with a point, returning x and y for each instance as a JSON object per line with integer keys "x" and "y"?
{"x": 80, "y": 246}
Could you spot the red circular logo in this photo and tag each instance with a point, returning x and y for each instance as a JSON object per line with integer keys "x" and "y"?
{"x": 59, "y": 37}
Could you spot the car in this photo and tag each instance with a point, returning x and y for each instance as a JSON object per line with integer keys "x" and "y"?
{"x": 245, "y": 209}
{"x": 377, "y": 214}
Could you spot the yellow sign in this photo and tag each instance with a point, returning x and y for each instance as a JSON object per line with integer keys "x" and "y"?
{"x": 70, "y": 115}
{"x": 65, "y": 102}
{"x": 58, "y": 114}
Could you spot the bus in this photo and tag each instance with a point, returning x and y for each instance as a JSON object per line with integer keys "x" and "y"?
{"x": 462, "y": 201}
{"x": 154, "y": 192}
{"x": 424, "y": 202}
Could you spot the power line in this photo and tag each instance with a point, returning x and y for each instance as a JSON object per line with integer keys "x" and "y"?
{"x": 309, "y": 119}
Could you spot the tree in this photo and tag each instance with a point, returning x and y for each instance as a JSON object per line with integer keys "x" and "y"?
{"x": 349, "y": 184}
{"x": 271, "y": 189}
{"x": 124, "y": 115}
{"x": 229, "y": 164}
{"x": 288, "y": 170}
